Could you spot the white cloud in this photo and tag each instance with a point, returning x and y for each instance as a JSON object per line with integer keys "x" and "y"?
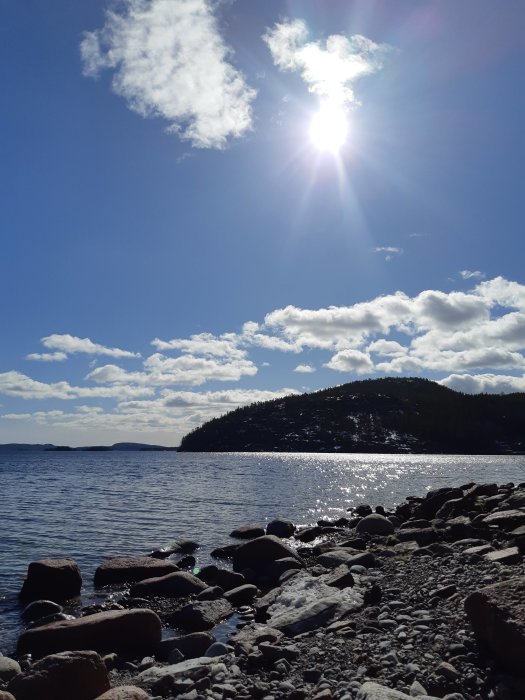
{"x": 389, "y": 348}
{"x": 388, "y": 249}
{"x": 185, "y": 370}
{"x": 169, "y": 60}
{"x": 47, "y": 356}
{"x": 471, "y": 274}
{"x": 484, "y": 383}
{"x": 21, "y": 386}
{"x": 351, "y": 361}
{"x": 330, "y": 69}
{"x": 304, "y": 369}
{"x": 70, "y": 345}
{"x": 204, "y": 344}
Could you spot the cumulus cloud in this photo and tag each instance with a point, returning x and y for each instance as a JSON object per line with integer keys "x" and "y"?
{"x": 484, "y": 383}
{"x": 304, "y": 369}
{"x": 70, "y": 344}
{"x": 388, "y": 251}
{"x": 329, "y": 68}
{"x": 21, "y": 386}
{"x": 226, "y": 345}
{"x": 188, "y": 370}
{"x": 351, "y": 361}
{"x": 170, "y": 61}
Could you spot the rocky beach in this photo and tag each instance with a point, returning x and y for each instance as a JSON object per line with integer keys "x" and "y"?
{"x": 424, "y": 600}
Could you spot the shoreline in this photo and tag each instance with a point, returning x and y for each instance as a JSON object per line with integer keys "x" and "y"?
{"x": 393, "y": 612}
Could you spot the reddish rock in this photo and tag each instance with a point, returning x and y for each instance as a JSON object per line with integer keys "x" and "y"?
{"x": 176, "y": 585}
{"x": 259, "y": 553}
{"x": 54, "y": 579}
{"x": 131, "y": 569}
{"x": 121, "y": 631}
{"x": 497, "y": 615}
{"x": 73, "y": 674}
{"x": 247, "y": 532}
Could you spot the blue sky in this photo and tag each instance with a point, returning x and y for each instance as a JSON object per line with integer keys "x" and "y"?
{"x": 176, "y": 242}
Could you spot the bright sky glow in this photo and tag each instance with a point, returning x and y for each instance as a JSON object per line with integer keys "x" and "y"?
{"x": 329, "y": 128}
{"x": 173, "y": 246}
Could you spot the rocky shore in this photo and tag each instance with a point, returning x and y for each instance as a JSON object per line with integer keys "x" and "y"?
{"x": 426, "y": 600}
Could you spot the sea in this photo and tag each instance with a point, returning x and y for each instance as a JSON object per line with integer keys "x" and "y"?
{"x": 91, "y": 505}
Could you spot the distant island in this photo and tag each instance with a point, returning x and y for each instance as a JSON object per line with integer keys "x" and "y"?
{"x": 117, "y": 447}
{"x": 391, "y": 415}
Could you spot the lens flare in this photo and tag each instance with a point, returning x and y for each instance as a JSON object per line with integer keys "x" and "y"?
{"x": 329, "y": 128}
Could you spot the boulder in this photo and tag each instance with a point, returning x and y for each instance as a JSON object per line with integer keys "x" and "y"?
{"x": 8, "y": 668}
{"x": 243, "y": 595}
{"x": 497, "y": 616}
{"x": 201, "y": 615}
{"x": 375, "y": 524}
{"x": 280, "y": 528}
{"x": 423, "y": 536}
{"x": 131, "y": 569}
{"x": 247, "y": 532}
{"x": 517, "y": 500}
{"x": 176, "y": 585}
{"x": 259, "y": 553}
{"x": 374, "y": 691}
{"x": 55, "y": 579}
{"x": 40, "y": 608}
{"x": 434, "y": 499}
{"x": 190, "y": 645}
{"x": 510, "y": 555}
{"x": 4, "y": 695}
{"x": 125, "y": 692}
{"x": 71, "y": 674}
{"x": 252, "y": 635}
{"x": 120, "y": 631}
{"x": 506, "y": 519}
{"x": 158, "y": 677}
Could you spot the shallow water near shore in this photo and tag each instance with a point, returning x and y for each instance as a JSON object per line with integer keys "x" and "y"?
{"x": 89, "y": 505}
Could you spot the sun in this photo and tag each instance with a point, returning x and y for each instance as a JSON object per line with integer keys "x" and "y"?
{"x": 329, "y": 128}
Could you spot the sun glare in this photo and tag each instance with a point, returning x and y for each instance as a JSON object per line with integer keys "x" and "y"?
{"x": 329, "y": 128}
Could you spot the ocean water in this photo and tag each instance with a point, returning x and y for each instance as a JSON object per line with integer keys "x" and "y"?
{"x": 91, "y": 505}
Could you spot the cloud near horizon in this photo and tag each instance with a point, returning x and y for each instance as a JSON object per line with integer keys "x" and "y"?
{"x": 170, "y": 61}
{"x": 445, "y": 335}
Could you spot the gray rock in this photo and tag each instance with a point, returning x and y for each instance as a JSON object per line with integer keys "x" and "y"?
{"x": 218, "y": 649}
{"x": 374, "y": 691}
{"x": 125, "y": 692}
{"x": 201, "y": 615}
{"x": 506, "y": 519}
{"x": 71, "y": 674}
{"x": 8, "y": 668}
{"x": 189, "y": 645}
{"x": 511, "y": 555}
{"x": 252, "y": 635}
{"x": 497, "y": 615}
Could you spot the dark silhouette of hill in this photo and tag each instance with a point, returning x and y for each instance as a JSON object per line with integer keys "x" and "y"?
{"x": 375, "y": 415}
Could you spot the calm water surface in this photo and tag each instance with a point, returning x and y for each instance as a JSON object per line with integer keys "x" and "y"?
{"x": 89, "y": 505}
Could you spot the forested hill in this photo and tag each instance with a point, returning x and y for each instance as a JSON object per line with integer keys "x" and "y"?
{"x": 375, "y": 415}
